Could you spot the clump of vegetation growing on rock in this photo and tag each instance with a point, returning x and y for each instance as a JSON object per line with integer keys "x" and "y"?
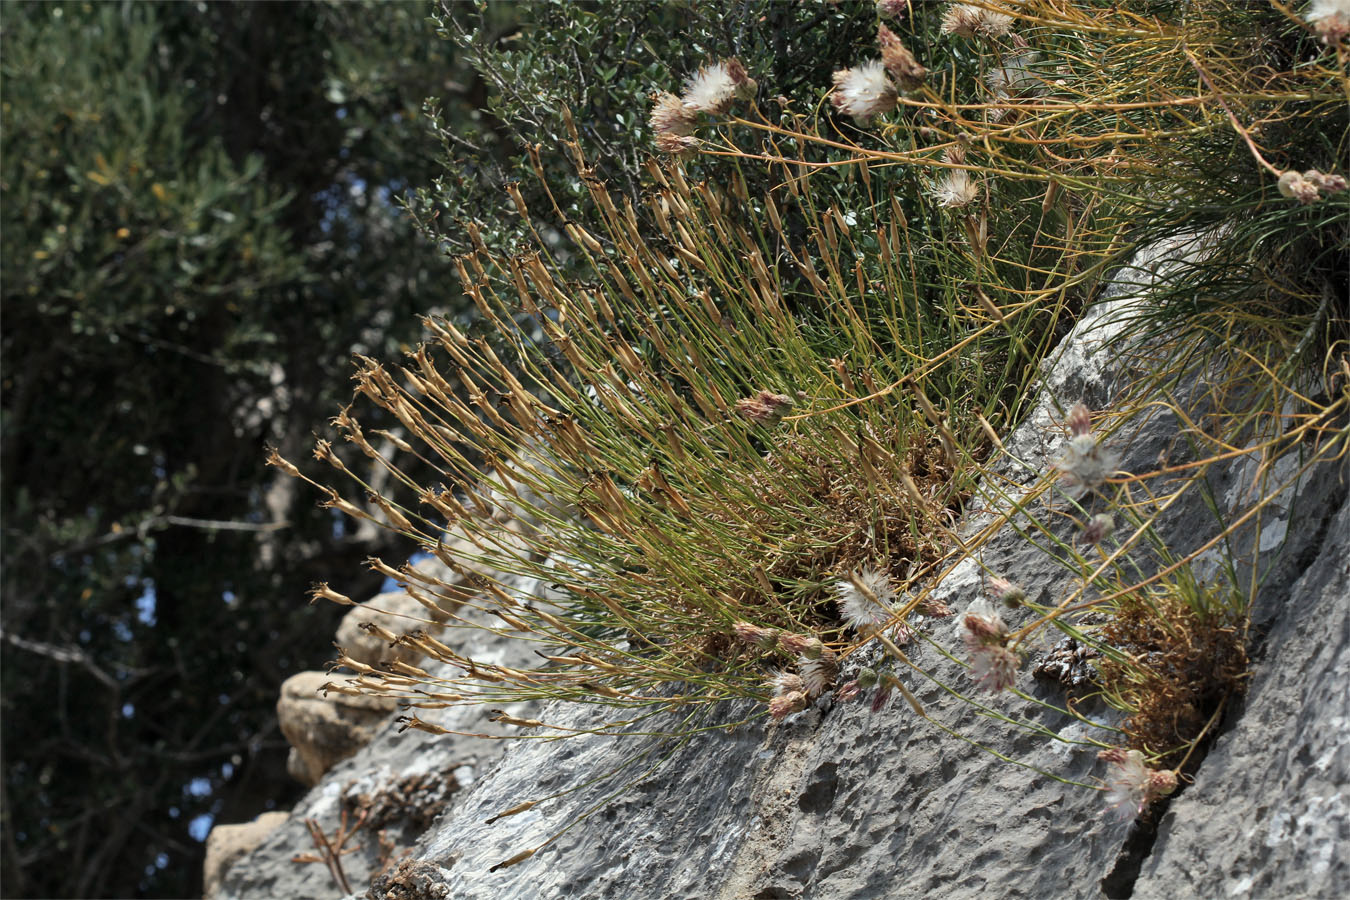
{"x": 736, "y": 446}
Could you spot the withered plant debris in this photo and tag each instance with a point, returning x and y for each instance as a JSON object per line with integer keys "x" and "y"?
{"x": 1069, "y": 663}
{"x": 1191, "y": 658}
{"x": 412, "y": 802}
{"x": 410, "y": 880}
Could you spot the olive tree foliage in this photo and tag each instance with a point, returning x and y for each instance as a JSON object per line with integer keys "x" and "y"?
{"x": 601, "y": 62}
{"x": 200, "y": 228}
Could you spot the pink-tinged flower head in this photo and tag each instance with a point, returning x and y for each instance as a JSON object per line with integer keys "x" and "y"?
{"x": 934, "y": 608}
{"x": 676, "y": 144}
{"x": 1079, "y": 420}
{"x": 787, "y": 704}
{"x": 1115, "y": 755}
{"x": 1292, "y": 184}
{"x": 864, "y": 91}
{"x": 889, "y": 683}
{"x": 1131, "y": 785}
{"x": 893, "y": 9}
{"x": 899, "y": 62}
{"x": 746, "y": 87}
{"x": 1009, "y": 594}
{"x": 985, "y": 635}
{"x": 818, "y": 673}
{"x": 1331, "y": 19}
{"x": 713, "y": 88}
{"x": 1085, "y": 464}
{"x": 1161, "y": 783}
{"x": 671, "y": 116}
{"x": 1099, "y": 528}
{"x": 883, "y": 693}
{"x": 764, "y": 638}
{"x": 1307, "y": 187}
{"x": 1329, "y": 184}
{"x": 766, "y": 407}
{"x": 866, "y": 678}
{"x": 981, "y": 626}
{"x": 968, "y": 20}
{"x": 994, "y": 667}
{"x": 802, "y": 645}
{"x": 786, "y": 683}
{"x": 866, "y": 600}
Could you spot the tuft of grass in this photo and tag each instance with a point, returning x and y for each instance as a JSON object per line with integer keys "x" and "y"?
{"x": 674, "y": 450}
{"x": 1187, "y": 657}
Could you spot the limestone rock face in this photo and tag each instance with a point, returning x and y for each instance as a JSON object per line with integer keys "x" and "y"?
{"x": 324, "y": 730}
{"x": 1269, "y": 814}
{"x": 227, "y": 843}
{"x": 405, "y": 782}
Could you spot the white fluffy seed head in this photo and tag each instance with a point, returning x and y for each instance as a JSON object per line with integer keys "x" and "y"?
{"x": 863, "y": 613}
{"x": 670, "y": 115}
{"x": 1330, "y": 18}
{"x": 1086, "y": 464}
{"x": 818, "y": 674}
{"x": 864, "y": 91}
{"x": 956, "y": 189}
{"x": 968, "y": 20}
{"x": 712, "y": 88}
